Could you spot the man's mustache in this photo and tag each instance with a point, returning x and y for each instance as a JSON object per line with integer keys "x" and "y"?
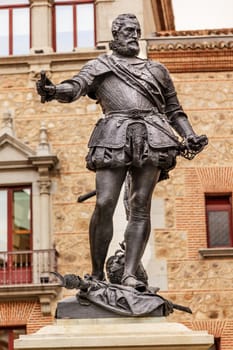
{"x": 133, "y": 41}
{"x": 126, "y": 42}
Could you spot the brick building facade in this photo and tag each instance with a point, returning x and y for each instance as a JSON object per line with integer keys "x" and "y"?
{"x": 43, "y": 148}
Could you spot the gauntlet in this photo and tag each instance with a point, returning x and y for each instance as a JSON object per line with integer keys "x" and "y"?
{"x": 45, "y": 88}
{"x": 191, "y": 144}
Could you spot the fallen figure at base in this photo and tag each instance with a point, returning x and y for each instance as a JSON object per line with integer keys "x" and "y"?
{"x": 119, "y": 299}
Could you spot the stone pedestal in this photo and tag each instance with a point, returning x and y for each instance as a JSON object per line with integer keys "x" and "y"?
{"x": 115, "y": 334}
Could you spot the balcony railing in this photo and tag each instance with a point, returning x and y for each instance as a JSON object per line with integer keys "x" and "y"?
{"x": 27, "y": 267}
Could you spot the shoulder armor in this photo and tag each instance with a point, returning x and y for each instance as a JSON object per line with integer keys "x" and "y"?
{"x": 91, "y": 70}
{"x": 160, "y": 73}
{"x": 97, "y": 66}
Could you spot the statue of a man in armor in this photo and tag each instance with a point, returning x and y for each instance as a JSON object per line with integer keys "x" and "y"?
{"x": 135, "y": 138}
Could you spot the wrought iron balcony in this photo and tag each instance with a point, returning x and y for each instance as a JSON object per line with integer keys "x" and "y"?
{"x": 26, "y": 275}
{"x": 27, "y": 267}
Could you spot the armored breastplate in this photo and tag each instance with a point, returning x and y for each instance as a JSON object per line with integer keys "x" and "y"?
{"x": 114, "y": 94}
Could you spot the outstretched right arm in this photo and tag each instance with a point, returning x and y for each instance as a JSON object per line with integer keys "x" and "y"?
{"x": 65, "y": 92}
{"x": 79, "y": 85}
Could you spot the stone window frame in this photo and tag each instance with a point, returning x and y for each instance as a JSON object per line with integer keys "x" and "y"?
{"x": 216, "y": 252}
{"x": 219, "y": 203}
{"x": 219, "y": 252}
{"x": 74, "y": 4}
{"x": 21, "y": 165}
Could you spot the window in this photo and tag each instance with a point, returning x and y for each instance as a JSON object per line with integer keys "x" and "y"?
{"x": 219, "y": 220}
{"x": 15, "y": 234}
{"x": 14, "y": 37}
{"x": 73, "y": 25}
{"x": 8, "y": 335}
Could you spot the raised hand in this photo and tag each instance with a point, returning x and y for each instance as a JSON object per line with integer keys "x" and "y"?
{"x": 45, "y": 88}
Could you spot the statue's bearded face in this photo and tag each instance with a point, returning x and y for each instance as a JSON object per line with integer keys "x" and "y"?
{"x": 126, "y": 39}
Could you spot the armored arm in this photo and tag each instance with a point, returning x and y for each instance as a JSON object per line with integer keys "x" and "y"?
{"x": 67, "y": 91}
{"x": 179, "y": 121}
{"x": 70, "y": 90}
{"x": 192, "y": 143}
{"x": 174, "y": 111}
{"x": 177, "y": 117}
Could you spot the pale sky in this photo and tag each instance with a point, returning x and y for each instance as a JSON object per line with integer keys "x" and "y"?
{"x": 203, "y": 14}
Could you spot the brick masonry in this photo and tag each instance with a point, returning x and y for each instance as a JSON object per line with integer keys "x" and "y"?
{"x": 23, "y": 313}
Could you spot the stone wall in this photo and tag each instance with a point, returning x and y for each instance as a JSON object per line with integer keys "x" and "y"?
{"x": 201, "y": 283}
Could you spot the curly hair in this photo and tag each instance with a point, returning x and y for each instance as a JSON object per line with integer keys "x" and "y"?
{"x": 120, "y": 20}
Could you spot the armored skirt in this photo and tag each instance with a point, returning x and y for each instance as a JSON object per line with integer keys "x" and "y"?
{"x": 119, "y": 141}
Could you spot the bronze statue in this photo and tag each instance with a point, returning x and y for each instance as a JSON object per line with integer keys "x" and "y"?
{"x": 133, "y": 139}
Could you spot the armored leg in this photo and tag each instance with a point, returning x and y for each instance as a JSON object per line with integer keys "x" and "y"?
{"x": 143, "y": 181}
{"x": 108, "y": 187}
